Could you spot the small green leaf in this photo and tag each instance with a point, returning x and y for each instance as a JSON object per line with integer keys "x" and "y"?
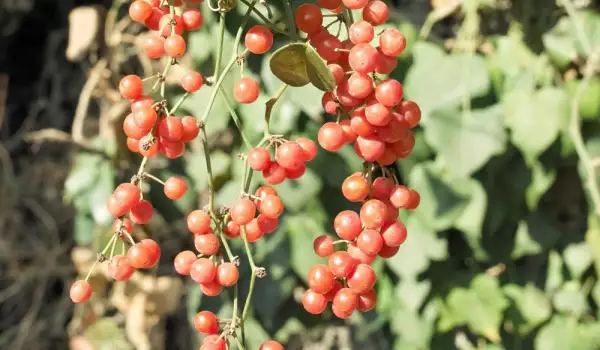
{"x": 534, "y": 234}
{"x": 531, "y": 302}
{"x": 472, "y": 217}
{"x": 318, "y": 72}
{"x": 571, "y": 298}
{"x": 103, "y": 188}
{"x": 105, "y": 334}
{"x": 289, "y": 64}
{"x": 303, "y": 230}
{"x": 83, "y": 175}
{"x": 296, "y": 193}
{"x": 84, "y": 228}
{"x": 564, "y": 332}
{"x": 578, "y": 257}
{"x": 466, "y": 140}
{"x": 196, "y": 167}
{"x": 554, "y": 277}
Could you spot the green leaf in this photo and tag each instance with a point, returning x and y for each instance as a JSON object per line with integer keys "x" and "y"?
{"x": 318, "y": 72}
{"x": 289, "y": 64}
{"x": 564, "y": 41}
{"x": 196, "y": 167}
{"x": 84, "y": 228}
{"x": 531, "y": 303}
{"x": 472, "y": 217}
{"x": 534, "y": 234}
{"x": 103, "y": 188}
{"x": 560, "y": 43}
{"x": 565, "y": 333}
{"x": 554, "y": 277}
{"x": 412, "y": 292}
{"x": 255, "y": 334}
{"x": 291, "y": 327}
{"x": 440, "y": 204}
{"x": 541, "y": 181}
{"x": 578, "y": 257}
{"x": 546, "y": 111}
{"x": 414, "y": 330}
{"x": 421, "y": 246}
{"x": 438, "y": 81}
{"x": 105, "y": 334}
{"x": 480, "y": 307}
{"x": 571, "y": 298}
{"x": 83, "y": 175}
{"x": 589, "y": 105}
{"x": 303, "y": 230}
{"x": 467, "y": 140}
{"x": 296, "y": 193}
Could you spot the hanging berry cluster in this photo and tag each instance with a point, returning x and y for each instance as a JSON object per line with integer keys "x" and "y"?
{"x": 369, "y": 114}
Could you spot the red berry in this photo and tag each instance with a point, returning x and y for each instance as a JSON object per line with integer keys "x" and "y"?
{"x": 153, "y": 252}
{"x": 400, "y": 196}
{"x": 120, "y": 269}
{"x": 377, "y": 114}
{"x": 259, "y": 159}
{"x": 203, "y": 271}
{"x": 140, "y": 11}
{"x": 370, "y": 242}
{"x": 342, "y": 264}
{"x": 389, "y": 92}
{"x": 362, "y": 279}
{"x": 373, "y": 214}
{"x": 355, "y": 4}
{"x": 259, "y": 39}
{"x": 253, "y": 231}
{"x": 327, "y": 46}
{"x": 290, "y": 155}
{"x": 227, "y": 274}
{"x": 347, "y": 225}
{"x": 81, "y": 292}
{"x": 309, "y": 147}
{"x": 320, "y": 279}
{"x": 127, "y": 194}
{"x": 360, "y": 85}
{"x": 192, "y": 18}
{"x": 207, "y": 244}
{"x": 206, "y": 323}
{"x": 211, "y": 289}
{"x": 363, "y": 58}
{"x": 142, "y": 212}
{"x": 192, "y": 81}
{"x": 329, "y": 104}
{"x": 125, "y": 224}
{"x": 355, "y": 188}
{"x": 331, "y": 136}
{"x": 275, "y": 174}
{"x": 198, "y": 222}
{"x": 246, "y": 90}
{"x": 232, "y": 229}
{"x": 359, "y": 255}
{"x": 138, "y": 255}
{"x": 338, "y": 73}
{"x": 309, "y": 18}
{"x": 329, "y": 4}
{"x": 131, "y": 87}
{"x": 153, "y": 22}
{"x": 175, "y": 46}
{"x": 175, "y": 187}
{"x": 382, "y": 187}
{"x": 345, "y": 302}
{"x": 394, "y": 234}
{"x": 170, "y": 129}
{"x": 369, "y": 148}
{"x": 361, "y": 32}
{"x": 387, "y": 251}
{"x": 411, "y": 112}
{"x": 131, "y": 129}
{"x": 154, "y": 47}
{"x": 350, "y": 135}
{"x": 271, "y": 345}
{"x": 190, "y": 128}
{"x": 314, "y": 302}
{"x": 214, "y": 342}
{"x": 392, "y": 42}
{"x": 168, "y": 28}
{"x": 243, "y": 211}
{"x": 183, "y": 262}
{"x": 367, "y": 301}
{"x": 376, "y": 12}
{"x": 271, "y": 206}
{"x": 145, "y": 117}
{"x": 323, "y": 246}
{"x": 172, "y": 149}
{"x": 266, "y": 225}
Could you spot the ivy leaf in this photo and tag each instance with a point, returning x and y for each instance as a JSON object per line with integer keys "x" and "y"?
{"x": 196, "y": 167}
{"x": 546, "y": 111}
{"x": 534, "y": 235}
{"x": 560, "y": 43}
{"x": 440, "y": 204}
{"x": 541, "y": 180}
{"x": 578, "y": 257}
{"x": 554, "y": 277}
{"x": 318, "y": 72}
{"x": 467, "y": 140}
{"x": 303, "y": 230}
{"x": 532, "y": 304}
{"x": 571, "y": 298}
{"x": 480, "y": 307}
{"x": 472, "y": 217}
{"x": 83, "y": 175}
{"x": 438, "y": 81}
{"x": 103, "y": 188}
{"x": 289, "y": 64}
{"x": 564, "y": 332}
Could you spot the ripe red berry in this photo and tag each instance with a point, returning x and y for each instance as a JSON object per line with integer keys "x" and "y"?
{"x": 153, "y": 252}
{"x": 227, "y": 274}
{"x": 246, "y": 90}
{"x": 377, "y": 114}
{"x": 355, "y": 4}
{"x": 192, "y": 18}
{"x": 350, "y": 135}
{"x": 344, "y": 303}
{"x": 172, "y": 149}
{"x": 153, "y": 22}
{"x": 410, "y": 111}
{"x": 400, "y": 196}
{"x": 376, "y": 12}
{"x": 175, "y": 46}
{"x": 198, "y": 222}
{"x": 206, "y": 323}
{"x": 314, "y": 302}
{"x": 211, "y": 289}
{"x": 309, "y": 147}
{"x": 214, "y": 342}
{"x": 175, "y": 187}
{"x": 183, "y": 262}
{"x": 392, "y": 42}
{"x": 331, "y": 136}
{"x": 360, "y": 85}
{"x": 355, "y": 188}
{"x": 81, "y": 292}
{"x": 207, "y": 244}
{"x": 327, "y": 46}
{"x": 389, "y": 92}
{"x": 309, "y": 18}
{"x": 394, "y": 234}
{"x": 363, "y": 58}
{"x": 145, "y": 117}
{"x": 329, "y": 104}
{"x": 140, "y": 11}
{"x": 359, "y": 123}
{"x": 387, "y": 251}
{"x": 338, "y": 73}
{"x": 373, "y": 214}
{"x": 192, "y": 81}
{"x": 127, "y": 194}
{"x": 131, "y": 87}
{"x": 367, "y": 301}
{"x": 138, "y": 255}
{"x": 329, "y": 4}
{"x": 259, "y": 159}
{"x": 203, "y": 271}
{"x": 154, "y": 47}
{"x": 266, "y": 224}
{"x": 361, "y": 32}
{"x": 275, "y": 174}
{"x": 323, "y": 246}
{"x": 347, "y": 225}
{"x": 259, "y": 39}
{"x": 362, "y": 279}
{"x": 342, "y": 264}
{"x": 359, "y": 255}
{"x": 320, "y": 279}
{"x": 142, "y": 212}
{"x": 370, "y": 242}
{"x": 243, "y": 211}
{"x": 369, "y": 148}
{"x": 271, "y": 345}
{"x": 190, "y": 128}
{"x": 120, "y": 269}
{"x": 290, "y": 155}
{"x": 148, "y": 147}
{"x": 253, "y": 231}
{"x": 170, "y": 129}
{"x": 232, "y": 230}
{"x": 271, "y": 206}
{"x": 131, "y": 129}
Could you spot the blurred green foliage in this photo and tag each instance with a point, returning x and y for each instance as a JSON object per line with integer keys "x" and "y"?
{"x": 502, "y": 252}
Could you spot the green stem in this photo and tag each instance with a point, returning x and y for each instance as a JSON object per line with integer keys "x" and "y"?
{"x": 211, "y": 192}
{"x": 219, "y": 58}
{"x": 289, "y": 14}
{"x": 179, "y": 103}
{"x": 264, "y": 18}
{"x": 253, "y": 270}
{"x": 269, "y": 107}
{"x": 235, "y": 117}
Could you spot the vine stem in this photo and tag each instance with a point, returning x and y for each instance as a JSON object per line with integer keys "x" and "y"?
{"x": 290, "y": 20}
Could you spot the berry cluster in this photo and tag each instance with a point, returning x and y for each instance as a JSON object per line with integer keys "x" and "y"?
{"x": 372, "y": 117}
